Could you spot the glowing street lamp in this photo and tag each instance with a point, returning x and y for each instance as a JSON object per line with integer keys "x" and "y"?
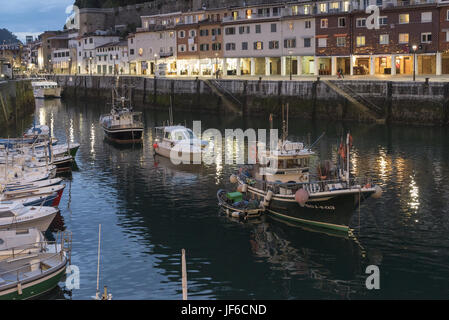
{"x": 414, "y": 47}
{"x": 90, "y": 65}
{"x": 155, "y": 64}
{"x": 290, "y": 54}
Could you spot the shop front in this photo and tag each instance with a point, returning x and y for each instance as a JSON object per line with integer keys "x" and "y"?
{"x": 382, "y": 65}
{"x": 245, "y": 66}
{"x": 404, "y": 64}
{"x": 344, "y": 65}
{"x": 427, "y": 64}
{"x": 308, "y": 65}
{"x": 324, "y": 66}
{"x": 361, "y": 65}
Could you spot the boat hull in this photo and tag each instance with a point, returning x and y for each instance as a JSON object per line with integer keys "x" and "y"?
{"x": 41, "y": 223}
{"x": 184, "y": 157}
{"x": 124, "y": 135}
{"x": 35, "y": 287}
{"x": 326, "y": 211}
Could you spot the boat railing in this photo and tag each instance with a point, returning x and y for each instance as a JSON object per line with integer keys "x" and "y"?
{"x": 279, "y": 187}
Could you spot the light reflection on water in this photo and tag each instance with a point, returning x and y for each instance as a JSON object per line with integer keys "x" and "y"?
{"x": 150, "y": 209}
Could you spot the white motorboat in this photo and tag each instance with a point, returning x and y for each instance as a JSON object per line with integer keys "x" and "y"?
{"x": 179, "y": 144}
{"x": 23, "y": 217}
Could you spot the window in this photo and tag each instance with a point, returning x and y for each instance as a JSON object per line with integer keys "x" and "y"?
{"x": 258, "y": 29}
{"x": 323, "y": 7}
{"x": 323, "y": 23}
{"x": 182, "y": 48}
{"x": 182, "y": 34}
{"x": 360, "y": 41}
{"x": 404, "y": 18}
{"x": 334, "y": 6}
{"x": 290, "y": 43}
{"x": 192, "y": 47}
{"x": 341, "y": 41}
{"x": 258, "y": 45}
{"x": 308, "y": 24}
{"x": 216, "y": 46}
{"x": 403, "y": 38}
{"x": 204, "y": 47}
{"x": 244, "y": 45}
{"x": 426, "y": 37}
{"x": 243, "y": 30}
{"x": 249, "y": 13}
{"x": 91, "y": 40}
{"x": 307, "y": 42}
{"x": 383, "y": 39}
{"x": 346, "y": 6}
{"x": 230, "y": 46}
{"x": 204, "y": 33}
{"x": 383, "y": 21}
{"x": 447, "y": 15}
{"x": 273, "y": 44}
{"x": 229, "y": 31}
{"x": 273, "y": 27}
{"x": 341, "y": 22}
{"x": 192, "y": 33}
{"x": 426, "y": 17}
{"x": 361, "y": 22}
{"x": 322, "y": 42}
{"x": 307, "y": 9}
{"x": 216, "y": 32}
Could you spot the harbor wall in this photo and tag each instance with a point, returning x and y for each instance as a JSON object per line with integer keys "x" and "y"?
{"x": 16, "y": 102}
{"x": 400, "y": 101}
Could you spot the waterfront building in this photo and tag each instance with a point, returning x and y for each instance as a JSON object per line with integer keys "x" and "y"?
{"x": 112, "y": 58}
{"x": 87, "y": 59}
{"x": 153, "y": 45}
{"x": 345, "y": 42}
{"x": 63, "y": 52}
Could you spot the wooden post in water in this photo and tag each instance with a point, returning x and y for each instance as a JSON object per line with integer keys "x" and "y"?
{"x": 184, "y": 275}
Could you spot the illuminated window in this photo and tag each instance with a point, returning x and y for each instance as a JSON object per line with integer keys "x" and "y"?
{"x": 383, "y": 39}
{"x": 323, "y": 23}
{"x": 360, "y": 41}
{"x": 258, "y": 45}
{"x": 295, "y": 10}
{"x": 307, "y": 9}
{"x": 404, "y": 18}
{"x": 323, "y": 7}
{"x": 403, "y": 38}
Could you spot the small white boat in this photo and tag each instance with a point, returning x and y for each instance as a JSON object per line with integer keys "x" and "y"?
{"x": 26, "y": 217}
{"x": 179, "y": 144}
{"x": 46, "y": 89}
{"x": 20, "y": 241}
{"x": 31, "y": 185}
{"x": 29, "y": 265}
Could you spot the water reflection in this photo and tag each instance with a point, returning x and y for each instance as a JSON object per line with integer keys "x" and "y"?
{"x": 151, "y": 209}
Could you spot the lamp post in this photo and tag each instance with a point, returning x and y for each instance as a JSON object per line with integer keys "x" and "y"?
{"x": 155, "y": 64}
{"x": 414, "y": 47}
{"x": 90, "y": 65}
{"x": 70, "y": 66}
{"x": 216, "y": 66}
{"x": 290, "y": 54}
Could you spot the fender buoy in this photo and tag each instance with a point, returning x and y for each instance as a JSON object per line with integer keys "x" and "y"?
{"x": 301, "y": 196}
{"x": 378, "y": 193}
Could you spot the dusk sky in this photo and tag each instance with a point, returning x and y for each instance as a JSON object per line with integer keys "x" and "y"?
{"x": 32, "y": 17}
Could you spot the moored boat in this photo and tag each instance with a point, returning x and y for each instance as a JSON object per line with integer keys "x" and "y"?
{"x": 26, "y": 217}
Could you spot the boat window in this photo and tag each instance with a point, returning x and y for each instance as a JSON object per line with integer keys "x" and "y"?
{"x": 6, "y": 214}
{"x": 179, "y": 135}
{"x": 168, "y": 135}
{"x": 190, "y": 134}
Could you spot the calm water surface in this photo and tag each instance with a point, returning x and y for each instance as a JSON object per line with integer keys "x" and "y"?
{"x": 150, "y": 209}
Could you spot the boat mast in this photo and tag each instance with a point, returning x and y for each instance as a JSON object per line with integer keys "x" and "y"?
{"x": 347, "y": 159}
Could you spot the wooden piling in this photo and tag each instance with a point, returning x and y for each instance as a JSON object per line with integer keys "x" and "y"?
{"x": 184, "y": 274}
{"x": 389, "y": 102}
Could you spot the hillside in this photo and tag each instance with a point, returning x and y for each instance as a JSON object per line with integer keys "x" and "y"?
{"x": 7, "y": 36}
{"x": 107, "y": 3}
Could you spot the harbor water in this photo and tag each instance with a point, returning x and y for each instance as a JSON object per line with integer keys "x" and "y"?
{"x": 150, "y": 209}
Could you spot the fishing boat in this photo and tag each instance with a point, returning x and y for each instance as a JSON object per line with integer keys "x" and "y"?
{"x": 31, "y": 185}
{"x": 46, "y": 89}
{"x": 235, "y": 205}
{"x": 283, "y": 182}
{"x": 47, "y": 196}
{"x": 122, "y": 124}
{"x": 26, "y": 276}
{"x": 179, "y": 143}
{"x": 25, "y": 241}
{"x": 22, "y": 217}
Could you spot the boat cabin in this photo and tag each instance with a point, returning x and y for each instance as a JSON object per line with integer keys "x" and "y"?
{"x": 174, "y": 133}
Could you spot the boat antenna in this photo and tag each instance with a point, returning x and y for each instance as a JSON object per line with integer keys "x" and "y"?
{"x": 97, "y": 295}
{"x": 316, "y": 141}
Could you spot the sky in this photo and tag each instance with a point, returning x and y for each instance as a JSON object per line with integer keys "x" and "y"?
{"x": 32, "y": 17}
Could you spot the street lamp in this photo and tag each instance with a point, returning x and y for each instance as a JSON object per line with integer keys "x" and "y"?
{"x": 290, "y": 53}
{"x": 90, "y": 65}
{"x": 51, "y": 66}
{"x": 216, "y": 66}
{"x": 70, "y": 66}
{"x": 414, "y": 47}
{"x": 155, "y": 64}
